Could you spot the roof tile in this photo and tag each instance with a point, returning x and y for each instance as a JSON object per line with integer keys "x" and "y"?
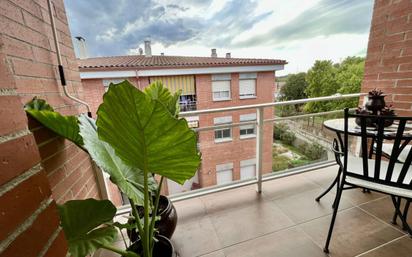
{"x": 164, "y": 61}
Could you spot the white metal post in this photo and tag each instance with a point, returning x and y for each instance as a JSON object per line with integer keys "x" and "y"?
{"x": 259, "y": 147}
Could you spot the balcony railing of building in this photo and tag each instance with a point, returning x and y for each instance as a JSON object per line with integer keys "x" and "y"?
{"x": 259, "y": 123}
{"x": 187, "y": 106}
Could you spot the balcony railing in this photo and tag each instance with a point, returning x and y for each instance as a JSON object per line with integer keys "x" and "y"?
{"x": 259, "y": 130}
{"x": 186, "y": 107}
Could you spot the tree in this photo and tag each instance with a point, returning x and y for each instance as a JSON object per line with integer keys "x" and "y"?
{"x": 294, "y": 88}
{"x": 321, "y": 79}
{"x": 326, "y": 78}
{"x": 349, "y": 78}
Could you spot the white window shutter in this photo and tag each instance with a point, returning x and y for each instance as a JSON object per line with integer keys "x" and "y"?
{"x": 247, "y": 87}
{"x": 218, "y": 86}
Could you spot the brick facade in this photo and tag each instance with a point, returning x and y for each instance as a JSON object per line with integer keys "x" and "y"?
{"x": 238, "y": 149}
{"x": 215, "y": 153}
{"x": 389, "y": 57}
{"x": 37, "y": 168}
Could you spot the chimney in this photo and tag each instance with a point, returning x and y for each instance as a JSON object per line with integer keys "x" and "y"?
{"x": 214, "y": 54}
{"x": 162, "y": 54}
{"x": 140, "y": 51}
{"x": 228, "y": 55}
{"x": 147, "y": 48}
{"x": 81, "y": 47}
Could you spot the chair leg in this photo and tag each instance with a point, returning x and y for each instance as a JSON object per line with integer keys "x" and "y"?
{"x": 401, "y": 216}
{"x": 405, "y": 212}
{"x": 395, "y": 214}
{"x": 335, "y": 212}
{"x": 335, "y": 182}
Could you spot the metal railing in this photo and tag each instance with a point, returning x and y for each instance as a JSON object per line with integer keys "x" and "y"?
{"x": 186, "y": 107}
{"x": 260, "y": 121}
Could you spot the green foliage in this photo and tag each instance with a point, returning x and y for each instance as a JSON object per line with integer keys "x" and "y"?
{"x": 326, "y": 78}
{"x": 295, "y": 87}
{"x": 282, "y": 132}
{"x": 280, "y": 162}
{"x": 156, "y": 91}
{"x": 128, "y": 179}
{"x": 65, "y": 126}
{"x": 145, "y": 135}
{"x": 82, "y": 222}
{"x": 38, "y": 104}
{"x": 313, "y": 151}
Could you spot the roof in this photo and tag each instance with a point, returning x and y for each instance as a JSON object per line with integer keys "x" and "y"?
{"x": 165, "y": 61}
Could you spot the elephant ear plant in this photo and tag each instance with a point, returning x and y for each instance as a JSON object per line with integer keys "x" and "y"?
{"x": 137, "y": 135}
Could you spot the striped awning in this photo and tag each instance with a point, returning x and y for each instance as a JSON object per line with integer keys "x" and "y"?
{"x": 175, "y": 83}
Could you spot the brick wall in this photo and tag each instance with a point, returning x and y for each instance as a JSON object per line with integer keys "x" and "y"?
{"x": 389, "y": 57}
{"x": 94, "y": 90}
{"x": 238, "y": 149}
{"x": 37, "y": 168}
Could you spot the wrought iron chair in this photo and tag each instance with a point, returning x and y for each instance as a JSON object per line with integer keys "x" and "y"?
{"x": 389, "y": 177}
{"x": 338, "y": 154}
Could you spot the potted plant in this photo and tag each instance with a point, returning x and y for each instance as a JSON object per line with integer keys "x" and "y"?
{"x": 369, "y": 121}
{"x": 388, "y": 111}
{"x": 376, "y": 101}
{"x": 136, "y": 135}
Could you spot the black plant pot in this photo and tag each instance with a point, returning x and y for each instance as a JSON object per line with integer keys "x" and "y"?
{"x": 375, "y": 103}
{"x": 162, "y": 248}
{"x": 168, "y": 219}
{"x": 370, "y": 122}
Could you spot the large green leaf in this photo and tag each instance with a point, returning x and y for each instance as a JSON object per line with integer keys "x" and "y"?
{"x": 157, "y": 91}
{"x": 65, "y": 126}
{"x": 128, "y": 179}
{"x": 145, "y": 135}
{"x": 80, "y": 220}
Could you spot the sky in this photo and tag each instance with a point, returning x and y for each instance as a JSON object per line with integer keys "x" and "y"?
{"x": 298, "y": 31}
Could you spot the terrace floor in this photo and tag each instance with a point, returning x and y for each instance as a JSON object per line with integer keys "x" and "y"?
{"x": 285, "y": 221}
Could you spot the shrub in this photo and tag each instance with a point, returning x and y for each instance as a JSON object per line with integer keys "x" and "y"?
{"x": 313, "y": 151}
{"x": 280, "y": 162}
{"x": 282, "y": 132}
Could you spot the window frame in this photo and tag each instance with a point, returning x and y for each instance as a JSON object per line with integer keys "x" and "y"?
{"x": 221, "y": 95}
{"x": 222, "y": 121}
{"x": 248, "y": 77}
{"x": 246, "y": 118}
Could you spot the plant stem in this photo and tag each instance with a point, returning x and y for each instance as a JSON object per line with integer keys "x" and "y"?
{"x": 146, "y": 242}
{"x": 124, "y": 240}
{"x": 137, "y": 217}
{"x": 119, "y": 251}
{"x": 154, "y": 213}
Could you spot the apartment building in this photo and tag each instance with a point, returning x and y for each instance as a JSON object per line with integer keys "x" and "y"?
{"x": 205, "y": 82}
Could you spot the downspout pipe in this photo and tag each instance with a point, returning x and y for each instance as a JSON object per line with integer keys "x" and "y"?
{"x": 59, "y": 61}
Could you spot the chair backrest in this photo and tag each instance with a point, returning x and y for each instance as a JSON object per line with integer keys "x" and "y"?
{"x": 376, "y": 170}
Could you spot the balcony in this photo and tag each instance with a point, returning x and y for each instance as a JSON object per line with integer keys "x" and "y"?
{"x": 285, "y": 220}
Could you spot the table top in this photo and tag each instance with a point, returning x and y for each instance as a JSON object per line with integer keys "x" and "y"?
{"x": 337, "y": 125}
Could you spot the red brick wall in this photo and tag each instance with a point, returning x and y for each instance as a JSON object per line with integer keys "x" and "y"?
{"x": 37, "y": 168}
{"x": 94, "y": 90}
{"x": 238, "y": 149}
{"x": 389, "y": 58}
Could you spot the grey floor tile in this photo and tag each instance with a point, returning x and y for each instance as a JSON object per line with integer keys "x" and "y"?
{"x": 399, "y": 248}
{"x": 286, "y": 243}
{"x": 256, "y": 220}
{"x": 195, "y": 238}
{"x": 303, "y": 207}
{"x": 355, "y": 232}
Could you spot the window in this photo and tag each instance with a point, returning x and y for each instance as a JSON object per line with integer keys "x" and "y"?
{"x": 224, "y": 173}
{"x": 106, "y": 82}
{"x": 221, "y": 87}
{"x": 223, "y": 134}
{"x": 247, "y": 169}
{"x": 247, "y": 85}
{"x": 247, "y": 131}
